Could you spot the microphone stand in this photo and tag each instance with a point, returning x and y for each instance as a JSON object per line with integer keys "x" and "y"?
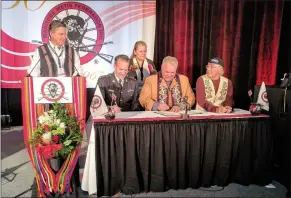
{"x": 185, "y": 103}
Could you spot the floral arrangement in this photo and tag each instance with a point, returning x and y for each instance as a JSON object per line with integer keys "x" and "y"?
{"x": 57, "y": 134}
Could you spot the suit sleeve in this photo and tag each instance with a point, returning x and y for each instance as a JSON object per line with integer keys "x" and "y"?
{"x": 101, "y": 85}
{"x": 135, "y": 102}
{"x": 189, "y": 93}
{"x": 229, "y": 96}
{"x": 145, "y": 96}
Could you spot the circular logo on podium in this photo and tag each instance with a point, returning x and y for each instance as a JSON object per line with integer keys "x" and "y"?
{"x": 84, "y": 27}
{"x": 52, "y": 90}
{"x": 264, "y": 96}
{"x": 96, "y": 102}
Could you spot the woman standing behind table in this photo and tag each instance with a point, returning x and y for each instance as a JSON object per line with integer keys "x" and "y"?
{"x": 140, "y": 66}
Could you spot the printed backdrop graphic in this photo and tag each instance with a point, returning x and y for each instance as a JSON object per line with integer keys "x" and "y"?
{"x": 98, "y": 30}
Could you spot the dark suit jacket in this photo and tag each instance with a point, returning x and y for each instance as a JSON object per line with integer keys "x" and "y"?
{"x": 126, "y": 96}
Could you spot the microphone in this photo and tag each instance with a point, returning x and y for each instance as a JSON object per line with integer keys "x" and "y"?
{"x": 29, "y": 74}
{"x": 105, "y": 43}
{"x": 87, "y": 50}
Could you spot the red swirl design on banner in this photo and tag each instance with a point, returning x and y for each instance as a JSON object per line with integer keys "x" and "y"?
{"x": 16, "y": 45}
{"x": 13, "y": 66}
{"x": 15, "y": 52}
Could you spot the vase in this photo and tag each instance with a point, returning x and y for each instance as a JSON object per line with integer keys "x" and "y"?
{"x": 56, "y": 163}
{"x": 255, "y": 109}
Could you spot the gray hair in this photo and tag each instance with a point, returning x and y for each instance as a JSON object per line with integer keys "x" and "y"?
{"x": 56, "y": 24}
{"x": 170, "y": 60}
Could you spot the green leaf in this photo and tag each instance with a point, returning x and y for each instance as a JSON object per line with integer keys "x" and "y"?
{"x": 67, "y": 142}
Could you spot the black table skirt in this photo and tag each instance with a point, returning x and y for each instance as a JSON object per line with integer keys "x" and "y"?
{"x": 133, "y": 157}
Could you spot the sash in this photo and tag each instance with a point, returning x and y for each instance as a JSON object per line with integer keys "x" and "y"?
{"x": 170, "y": 96}
{"x": 147, "y": 70}
{"x": 47, "y": 180}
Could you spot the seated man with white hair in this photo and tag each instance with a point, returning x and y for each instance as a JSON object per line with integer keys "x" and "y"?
{"x": 214, "y": 92}
{"x": 166, "y": 89}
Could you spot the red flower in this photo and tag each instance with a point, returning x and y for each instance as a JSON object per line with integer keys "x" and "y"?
{"x": 132, "y": 68}
{"x": 46, "y": 128}
{"x": 55, "y": 138}
{"x": 48, "y": 150}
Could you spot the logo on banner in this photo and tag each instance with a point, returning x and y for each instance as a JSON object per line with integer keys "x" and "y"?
{"x": 84, "y": 26}
{"x": 264, "y": 96}
{"x": 96, "y": 102}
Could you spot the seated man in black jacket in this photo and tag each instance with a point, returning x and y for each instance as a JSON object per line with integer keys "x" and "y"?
{"x": 120, "y": 91}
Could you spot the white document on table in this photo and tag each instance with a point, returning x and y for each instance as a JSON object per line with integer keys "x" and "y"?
{"x": 167, "y": 113}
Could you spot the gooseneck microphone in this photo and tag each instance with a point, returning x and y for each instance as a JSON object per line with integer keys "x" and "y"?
{"x": 29, "y": 74}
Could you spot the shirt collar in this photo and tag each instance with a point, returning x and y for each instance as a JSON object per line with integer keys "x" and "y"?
{"x": 117, "y": 78}
{"x": 54, "y": 46}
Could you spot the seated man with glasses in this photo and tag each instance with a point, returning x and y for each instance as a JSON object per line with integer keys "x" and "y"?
{"x": 213, "y": 91}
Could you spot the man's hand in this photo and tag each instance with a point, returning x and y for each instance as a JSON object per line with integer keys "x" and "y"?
{"x": 228, "y": 109}
{"x": 116, "y": 108}
{"x": 221, "y": 109}
{"x": 163, "y": 107}
{"x": 175, "y": 109}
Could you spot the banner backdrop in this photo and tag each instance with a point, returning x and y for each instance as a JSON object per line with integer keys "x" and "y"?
{"x": 113, "y": 25}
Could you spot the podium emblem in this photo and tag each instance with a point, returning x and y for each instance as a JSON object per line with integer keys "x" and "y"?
{"x": 96, "y": 102}
{"x": 51, "y": 89}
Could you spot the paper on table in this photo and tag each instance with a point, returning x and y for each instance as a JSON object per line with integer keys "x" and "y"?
{"x": 192, "y": 112}
{"x": 128, "y": 114}
{"x": 167, "y": 113}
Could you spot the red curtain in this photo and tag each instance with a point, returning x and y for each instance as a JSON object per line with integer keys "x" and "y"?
{"x": 183, "y": 47}
{"x": 245, "y": 34}
{"x": 269, "y": 42}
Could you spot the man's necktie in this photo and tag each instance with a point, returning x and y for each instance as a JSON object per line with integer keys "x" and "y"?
{"x": 120, "y": 82}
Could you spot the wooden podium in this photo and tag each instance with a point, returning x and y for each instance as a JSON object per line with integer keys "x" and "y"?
{"x": 36, "y": 94}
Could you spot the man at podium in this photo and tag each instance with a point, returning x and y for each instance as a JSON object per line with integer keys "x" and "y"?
{"x": 55, "y": 59}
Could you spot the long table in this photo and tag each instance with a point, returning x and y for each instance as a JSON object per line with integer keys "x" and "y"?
{"x": 146, "y": 151}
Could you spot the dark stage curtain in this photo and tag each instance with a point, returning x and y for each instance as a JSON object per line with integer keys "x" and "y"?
{"x": 156, "y": 156}
{"x": 245, "y": 34}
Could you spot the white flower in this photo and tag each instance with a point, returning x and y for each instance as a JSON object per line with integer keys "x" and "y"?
{"x": 51, "y": 111}
{"x": 58, "y": 121}
{"x": 62, "y": 125}
{"x": 41, "y": 119}
{"x": 47, "y": 137}
{"x": 46, "y": 114}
